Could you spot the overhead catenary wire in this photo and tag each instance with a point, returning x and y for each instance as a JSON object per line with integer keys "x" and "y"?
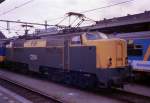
{"x": 55, "y": 19}
{"x": 91, "y": 10}
{"x": 86, "y": 11}
{"x": 19, "y": 6}
{"x": 11, "y": 29}
{"x": 111, "y": 5}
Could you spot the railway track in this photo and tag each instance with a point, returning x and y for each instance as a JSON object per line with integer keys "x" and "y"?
{"x": 36, "y": 97}
{"x": 129, "y": 97}
{"x": 27, "y": 93}
{"x": 132, "y": 97}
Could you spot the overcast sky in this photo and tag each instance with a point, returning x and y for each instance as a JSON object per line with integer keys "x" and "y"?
{"x": 41, "y": 10}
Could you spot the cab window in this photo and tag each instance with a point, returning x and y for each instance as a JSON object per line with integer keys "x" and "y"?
{"x": 96, "y": 36}
{"x": 76, "y": 40}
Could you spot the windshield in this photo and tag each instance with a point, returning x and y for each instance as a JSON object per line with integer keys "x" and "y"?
{"x": 97, "y": 36}
{"x": 76, "y": 40}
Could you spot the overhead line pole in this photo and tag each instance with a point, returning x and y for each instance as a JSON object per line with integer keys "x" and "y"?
{"x": 29, "y": 23}
{"x": 20, "y": 22}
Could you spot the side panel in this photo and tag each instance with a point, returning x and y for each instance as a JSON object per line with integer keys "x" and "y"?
{"x": 83, "y": 58}
{"x": 36, "y": 57}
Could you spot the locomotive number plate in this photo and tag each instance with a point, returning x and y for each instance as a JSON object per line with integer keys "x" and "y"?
{"x": 33, "y": 57}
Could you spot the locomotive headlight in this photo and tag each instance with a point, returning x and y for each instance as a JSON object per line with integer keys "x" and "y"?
{"x": 109, "y": 62}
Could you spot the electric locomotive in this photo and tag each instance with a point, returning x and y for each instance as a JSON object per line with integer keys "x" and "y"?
{"x": 85, "y": 60}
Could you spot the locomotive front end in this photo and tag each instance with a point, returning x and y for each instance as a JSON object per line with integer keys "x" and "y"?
{"x": 111, "y": 59}
{"x": 2, "y": 53}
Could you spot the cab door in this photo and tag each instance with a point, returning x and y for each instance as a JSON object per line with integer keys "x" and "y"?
{"x": 119, "y": 54}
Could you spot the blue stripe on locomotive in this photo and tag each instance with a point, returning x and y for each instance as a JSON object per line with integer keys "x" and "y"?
{"x": 2, "y": 51}
{"x": 145, "y": 44}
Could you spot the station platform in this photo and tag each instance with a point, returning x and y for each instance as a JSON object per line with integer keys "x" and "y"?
{"x": 7, "y": 96}
{"x": 56, "y": 91}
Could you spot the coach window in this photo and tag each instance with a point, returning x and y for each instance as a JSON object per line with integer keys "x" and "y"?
{"x": 135, "y": 50}
{"x": 76, "y": 40}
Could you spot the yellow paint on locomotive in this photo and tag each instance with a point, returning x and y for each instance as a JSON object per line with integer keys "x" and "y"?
{"x": 35, "y": 43}
{"x": 147, "y": 54}
{"x": 110, "y": 53}
{"x": 2, "y": 58}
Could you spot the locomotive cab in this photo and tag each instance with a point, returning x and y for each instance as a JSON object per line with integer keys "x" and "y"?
{"x": 111, "y": 57}
{"x": 110, "y": 53}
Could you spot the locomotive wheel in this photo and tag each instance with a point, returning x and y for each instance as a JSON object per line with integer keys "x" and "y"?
{"x": 24, "y": 70}
{"x": 109, "y": 84}
{"x": 67, "y": 79}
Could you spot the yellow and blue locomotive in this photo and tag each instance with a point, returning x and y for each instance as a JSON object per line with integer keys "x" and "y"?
{"x": 86, "y": 60}
{"x": 2, "y": 52}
